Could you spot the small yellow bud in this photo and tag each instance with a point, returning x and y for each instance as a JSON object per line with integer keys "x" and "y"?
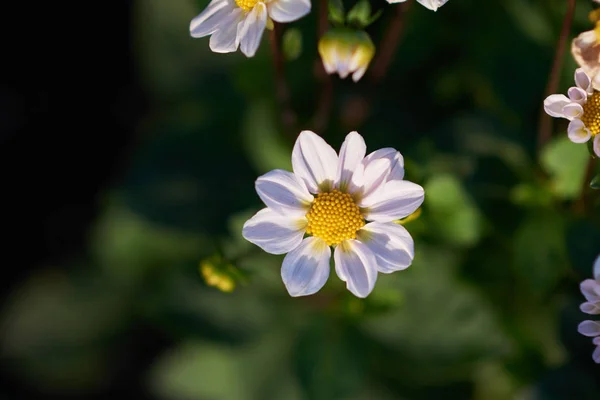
{"x": 215, "y": 274}
{"x": 346, "y": 51}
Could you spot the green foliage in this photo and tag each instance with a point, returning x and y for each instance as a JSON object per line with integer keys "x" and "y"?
{"x": 487, "y": 311}
{"x": 566, "y": 162}
{"x": 292, "y": 44}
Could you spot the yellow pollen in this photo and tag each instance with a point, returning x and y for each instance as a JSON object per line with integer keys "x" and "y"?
{"x": 591, "y": 113}
{"x": 334, "y": 217}
{"x": 246, "y": 5}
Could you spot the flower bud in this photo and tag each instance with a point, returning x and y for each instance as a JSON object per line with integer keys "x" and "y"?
{"x": 346, "y": 51}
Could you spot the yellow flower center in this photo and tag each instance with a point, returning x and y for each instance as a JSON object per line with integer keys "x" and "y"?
{"x": 591, "y": 113}
{"x": 246, "y": 5}
{"x": 334, "y": 217}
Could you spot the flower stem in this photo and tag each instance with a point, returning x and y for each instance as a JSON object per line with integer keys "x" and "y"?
{"x": 389, "y": 43}
{"x": 325, "y": 100}
{"x": 582, "y": 203}
{"x": 545, "y": 121}
{"x": 282, "y": 90}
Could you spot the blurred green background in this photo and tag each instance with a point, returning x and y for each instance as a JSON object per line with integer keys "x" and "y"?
{"x": 489, "y": 308}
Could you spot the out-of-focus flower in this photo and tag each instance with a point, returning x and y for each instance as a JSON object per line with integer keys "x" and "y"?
{"x": 431, "y": 4}
{"x": 586, "y": 50}
{"x": 233, "y": 23}
{"x": 582, "y": 108}
{"x": 592, "y": 329}
{"x": 591, "y": 291}
{"x": 346, "y": 51}
{"x": 330, "y": 198}
{"x": 219, "y": 274}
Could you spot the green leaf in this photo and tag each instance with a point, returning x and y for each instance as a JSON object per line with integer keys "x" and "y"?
{"x": 565, "y": 162}
{"x": 336, "y": 12}
{"x": 453, "y": 213}
{"x": 595, "y": 183}
{"x": 292, "y": 44}
{"x": 263, "y": 143}
{"x": 360, "y": 15}
{"x": 540, "y": 253}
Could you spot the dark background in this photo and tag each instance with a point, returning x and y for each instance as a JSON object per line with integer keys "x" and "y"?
{"x": 99, "y": 135}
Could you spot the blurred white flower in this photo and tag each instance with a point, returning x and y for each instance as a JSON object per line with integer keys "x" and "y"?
{"x": 591, "y": 291}
{"x": 330, "y": 198}
{"x": 233, "y": 23}
{"x": 346, "y": 51}
{"x": 582, "y": 108}
{"x": 431, "y": 4}
{"x": 592, "y": 329}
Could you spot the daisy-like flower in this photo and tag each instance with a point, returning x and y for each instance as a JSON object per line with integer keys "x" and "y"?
{"x": 346, "y": 202}
{"x": 591, "y": 291}
{"x": 582, "y": 108}
{"x": 233, "y": 23}
{"x": 346, "y": 51}
{"x": 431, "y": 4}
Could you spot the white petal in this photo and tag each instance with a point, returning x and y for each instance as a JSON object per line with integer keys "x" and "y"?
{"x": 572, "y": 111}
{"x": 395, "y": 1}
{"x": 351, "y": 155}
{"x": 314, "y": 161}
{"x": 374, "y": 179}
{"x": 590, "y": 290}
{"x": 596, "y": 340}
{"x": 391, "y": 244}
{"x": 273, "y": 232}
{"x": 577, "y": 95}
{"x": 596, "y": 354}
{"x": 284, "y": 192}
{"x": 359, "y": 73}
{"x": 590, "y": 308}
{"x": 356, "y": 265}
{"x": 396, "y": 161}
{"x": 432, "y": 4}
{"x": 597, "y": 145}
{"x": 397, "y": 200}
{"x": 288, "y": 10}
{"x": 209, "y": 20}
{"x": 251, "y": 28}
{"x": 597, "y": 266}
{"x": 577, "y": 131}
{"x": 554, "y": 104}
{"x": 306, "y": 268}
{"x": 589, "y": 328}
{"x": 582, "y": 80}
{"x": 224, "y": 39}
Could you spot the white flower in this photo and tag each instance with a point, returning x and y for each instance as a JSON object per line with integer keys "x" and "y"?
{"x": 582, "y": 108}
{"x": 330, "y": 199}
{"x": 592, "y": 329}
{"x": 346, "y": 51}
{"x": 233, "y": 23}
{"x": 591, "y": 291}
{"x": 431, "y": 4}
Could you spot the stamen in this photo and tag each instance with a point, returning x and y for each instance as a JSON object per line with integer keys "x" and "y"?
{"x": 246, "y": 5}
{"x": 334, "y": 217}
{"x": 591, "y": 113}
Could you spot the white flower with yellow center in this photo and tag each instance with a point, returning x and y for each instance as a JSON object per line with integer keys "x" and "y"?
{"x": 582, "y": 108}
{"x": 346, "y": 51}
{"x": 347, "y": 203}
{"x": 233, "y": 23}
{"x": 591, "y": 291}
{"x": 430, "y": 4}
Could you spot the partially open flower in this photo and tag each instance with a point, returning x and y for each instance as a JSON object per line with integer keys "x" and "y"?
{"x": 431, "y": 4}
{"x": 241, "y": 23}
{"x": 346, "y": 51}
{"x": 582, "y": 108}
{"x": 586, "y": 50}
